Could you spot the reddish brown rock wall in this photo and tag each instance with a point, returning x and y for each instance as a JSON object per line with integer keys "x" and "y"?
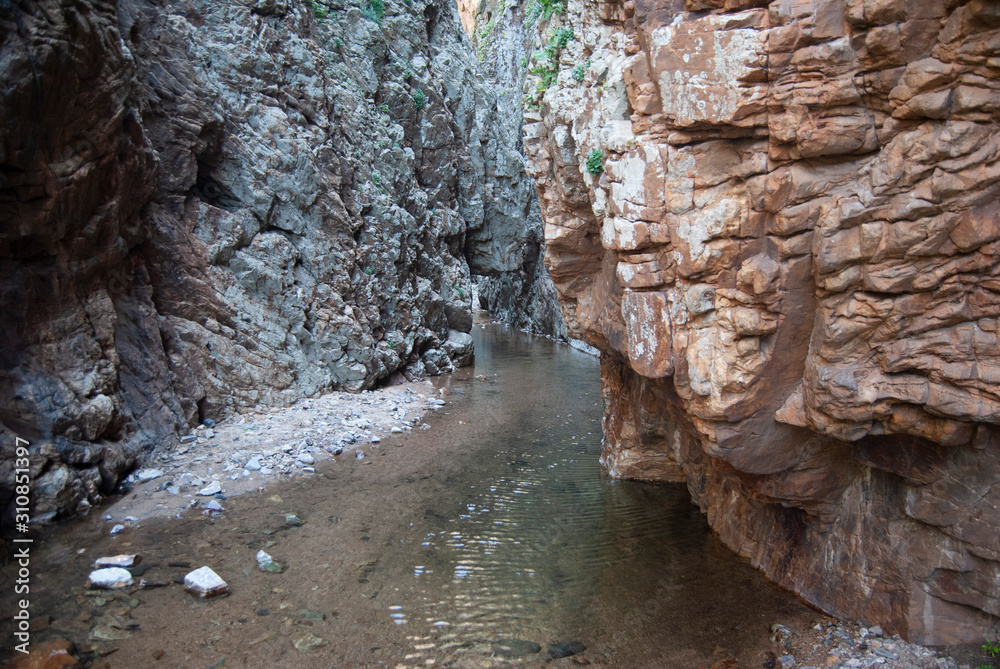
{"x": 789, "y": 262}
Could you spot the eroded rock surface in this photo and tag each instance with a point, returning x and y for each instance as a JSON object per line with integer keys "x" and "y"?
{"x": 514, "y": 285}
{"x": 779, "y": 223}
{"x": 212, "y": 206}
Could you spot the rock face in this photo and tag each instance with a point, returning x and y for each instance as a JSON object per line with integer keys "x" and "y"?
{"x": 514, "y": 285}
{"x": 209, "y": 206}
{"x": 779, "y": 222}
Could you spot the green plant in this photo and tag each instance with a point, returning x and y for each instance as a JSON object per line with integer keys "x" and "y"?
{"x": 339, "y": 42}
{"x": 547, "y": 69}
{"x": 461, "y": 293}
{"x": 392, "y": 345}
{"x": 376, "y": 179}
{"x": 991, "y": 648}
{"x": 524, "y": 61}
{"x": 374, "y": 11}
{"x": 580, "y": 71}
{"x": 369, "y": 271}
{"x": 561, "y": 37}
{"x": 595, "y": 162}
{"x": 319, "y": 11}
{"x": 384, "y": 108}
{"x": 419, "y": 98}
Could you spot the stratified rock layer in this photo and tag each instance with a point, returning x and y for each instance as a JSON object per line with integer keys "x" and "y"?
{"x": 779, "y": 222}
{"x": 210, "y": 206}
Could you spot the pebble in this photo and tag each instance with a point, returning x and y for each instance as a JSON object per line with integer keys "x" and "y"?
{"x": 117, "y": 528}
{"x": 205, "y": 583}
{"x": 208, "y": 422}
{"x": 306, "y": 459}
{"x": 565, "y": 649}
{"x": 117, "y": 561}
{"x": 266, "y": 563}
{"x": 515, "y": 647}
{"x": 307, "y": 642}
{"x": 210, "y": 434}
{"x": 111, "y": 578}
{"x": 187, "y": 438}
{"x": 293, "y": 521}
{"x": 211, "y": 489}
{"x": 148, "y": 474}
{"x": 213, "y": 505}
{"x": 253, "y": 464}
{"x": 173, "y": 490}
{"x": 395, "y": 429}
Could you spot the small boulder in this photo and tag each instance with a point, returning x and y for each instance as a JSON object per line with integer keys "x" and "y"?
{"x": 205, "y": 583}
{"x": 110, "y": 578}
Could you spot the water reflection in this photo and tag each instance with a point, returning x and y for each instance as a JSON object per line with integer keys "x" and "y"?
{"x": 539, "y": 544}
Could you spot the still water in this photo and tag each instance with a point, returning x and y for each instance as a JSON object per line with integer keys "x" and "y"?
{"x": 479, "y": 542}
{"x": 537, "y": 544}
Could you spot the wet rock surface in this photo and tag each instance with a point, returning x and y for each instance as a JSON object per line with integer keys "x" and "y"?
{"x": 778, "y": 222}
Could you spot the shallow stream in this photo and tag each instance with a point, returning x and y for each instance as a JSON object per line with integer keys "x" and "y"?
{"x": 479, "y": 542}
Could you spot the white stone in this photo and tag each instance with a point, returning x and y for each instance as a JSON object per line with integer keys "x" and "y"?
{"x": 117, "y": 528}
{"x": 112, "y": 578}
{"x": 306, "y": 459}
{"x": 211, "y": 489}
{"x": 148, "y": 474}
{"x": 205, "y": 583}
{"x": 117, "y": 561}
{"x": 253, "y": 464}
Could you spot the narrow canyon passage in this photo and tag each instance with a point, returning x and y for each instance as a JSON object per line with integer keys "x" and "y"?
{"x": 462, "y": 545}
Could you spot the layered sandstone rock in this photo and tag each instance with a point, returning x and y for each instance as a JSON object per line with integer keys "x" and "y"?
{"x": 209, "y": 206}
{"x": 779, "y": 222}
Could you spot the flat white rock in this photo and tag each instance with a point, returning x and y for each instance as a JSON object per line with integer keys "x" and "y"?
{"x": 117, "y": 561}
{"x": 211, "y": 489}
{"x": 112, "y": 578}
{"x": 148, "y": 474}
{"x": 205, "y": 583}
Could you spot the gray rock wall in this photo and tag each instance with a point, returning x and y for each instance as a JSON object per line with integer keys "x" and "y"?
{"x": 209, "y": 206}
{"x": 509, "y": 252}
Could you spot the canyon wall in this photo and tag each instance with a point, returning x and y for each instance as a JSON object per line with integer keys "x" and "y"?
{"x": 211, "y": 206}
{"x": 779, "y": 222}
{"x": 514, "y": 285}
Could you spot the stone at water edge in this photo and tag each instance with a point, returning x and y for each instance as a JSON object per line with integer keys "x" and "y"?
{"x": 205, "y": 583}
{"x": 110, "y": 578}
{"x": 565, "y": 649}
{"x": 117, "y": 561}
{"x": 212, "y": 488}
{"x": 516, "y": 647}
